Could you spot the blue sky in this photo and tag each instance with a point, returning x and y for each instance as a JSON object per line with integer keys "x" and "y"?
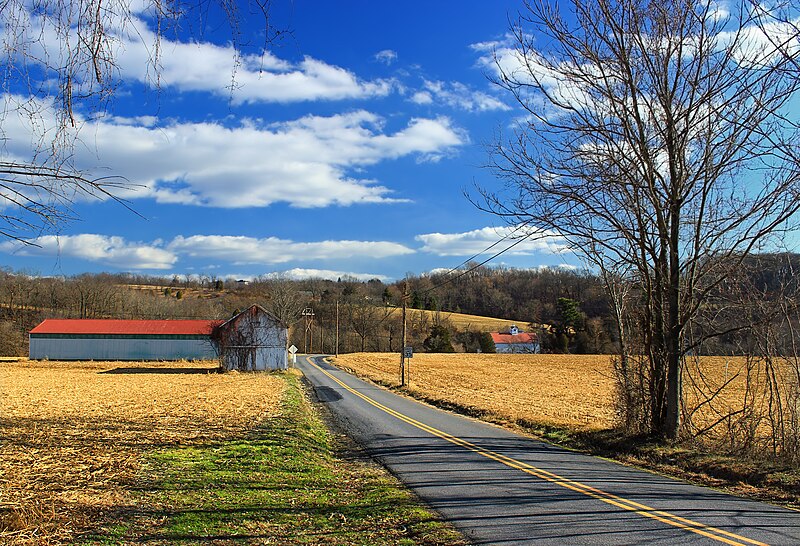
{"x": 344, "y": 149}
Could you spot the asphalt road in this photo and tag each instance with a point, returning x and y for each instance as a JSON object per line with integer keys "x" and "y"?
{"x": 498, "y": 487}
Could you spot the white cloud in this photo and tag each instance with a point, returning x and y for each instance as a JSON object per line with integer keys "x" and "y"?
{"x": 113, "y": 251}
{"x": 478, "y": 241}
{"x": 499, "y": 56}
{"x": 457, "y": 95}
{"x": 231, "y": 250}
{"x": 422, "y": 97}
{"x": 387, "y": 56}
{"x": 307, "y": 163}
{"x": 239, "y": 250}
{"x": 140, "y": 55}
{"x": 327, "y": 274}
{"x": 504, "y": 61}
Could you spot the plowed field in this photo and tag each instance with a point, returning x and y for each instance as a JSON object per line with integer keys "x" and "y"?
{"x": 72, "y": 433}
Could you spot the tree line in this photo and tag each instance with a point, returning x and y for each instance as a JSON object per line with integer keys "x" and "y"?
{"x": 569, "y": 310}
{"x": 368, "y": 312}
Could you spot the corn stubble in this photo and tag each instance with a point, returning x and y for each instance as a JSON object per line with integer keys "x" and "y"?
{"x": 74, "y": 434}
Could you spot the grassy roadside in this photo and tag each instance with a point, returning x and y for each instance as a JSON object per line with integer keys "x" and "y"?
{"x": 283, "y": 484}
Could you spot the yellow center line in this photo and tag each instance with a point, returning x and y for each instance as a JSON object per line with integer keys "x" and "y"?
{"x": 609, "y": 498}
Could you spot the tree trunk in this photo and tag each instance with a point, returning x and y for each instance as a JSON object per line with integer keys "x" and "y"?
{"x": 672, "y": 422}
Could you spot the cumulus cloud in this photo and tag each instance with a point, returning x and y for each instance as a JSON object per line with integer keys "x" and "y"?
{"x": 499, "y": 56}
{"x": 309, "y": 162}
{"x": 478, "y": 241}
{"x": 239, "y": 250}
{"x": 197, "y": 66}
{"x": 457, "y": 95}
{"x": 112, "y": 251}
{"x": 387, "y": 56}
{"x": 422, "y": 97}
{"x": 232, "y": 250}
{"x": 502, "y": 59}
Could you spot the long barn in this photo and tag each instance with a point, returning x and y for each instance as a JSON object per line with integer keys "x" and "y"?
{"x": 107, "y": 339}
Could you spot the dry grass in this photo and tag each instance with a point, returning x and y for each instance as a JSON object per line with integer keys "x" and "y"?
{"x": 73, "y": 433}
{"x": 474, "y": 322}
{"x": 462, "y": 321}
{"x": 561, "y": 390}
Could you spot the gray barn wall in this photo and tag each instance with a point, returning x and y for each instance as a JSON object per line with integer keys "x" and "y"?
{"x": 260, "y": 344}
{"x": 271, "y": 353}
{"x": 128, "y": 348}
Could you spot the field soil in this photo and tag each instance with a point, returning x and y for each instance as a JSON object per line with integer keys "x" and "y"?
{"x": 74, "y": 433}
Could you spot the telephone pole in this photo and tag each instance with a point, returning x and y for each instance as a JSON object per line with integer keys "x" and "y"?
{"x": 308, "y": 315}
{"x": 337, "y": 328}
{"x": 403, "y": 346}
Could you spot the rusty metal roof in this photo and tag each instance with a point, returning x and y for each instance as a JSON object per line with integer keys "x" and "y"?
{"x": 126, "y": 327}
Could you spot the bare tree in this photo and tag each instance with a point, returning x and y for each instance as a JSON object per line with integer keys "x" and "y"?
{"x": 659, "y": 135}
{"x": 60, "y": 69}
{"x": 283, "y": 299}
{"x": 362, "y": 317}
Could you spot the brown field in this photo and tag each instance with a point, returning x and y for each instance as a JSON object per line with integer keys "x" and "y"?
{"x": 73, "y": 433}
{"x": 561, "y": 390}
{"x": 573, "y": 391}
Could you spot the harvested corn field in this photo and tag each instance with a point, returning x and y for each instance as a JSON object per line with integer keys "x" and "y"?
{"x": 74, "y": 433}
{"x": 562, "y": 390}
{"x": 572, "y": 391}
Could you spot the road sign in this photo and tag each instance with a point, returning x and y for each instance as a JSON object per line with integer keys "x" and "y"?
{"x": 293, "y": 349}
{"x": 408, "y": 352}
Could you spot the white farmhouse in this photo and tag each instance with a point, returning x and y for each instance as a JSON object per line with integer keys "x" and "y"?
{"x": 515, "y": 341}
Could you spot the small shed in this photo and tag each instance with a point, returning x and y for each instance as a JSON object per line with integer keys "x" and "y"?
{"x": 516, "y": 342}
{"x": 109, "y": 339}
{"x": 252, "y": 340}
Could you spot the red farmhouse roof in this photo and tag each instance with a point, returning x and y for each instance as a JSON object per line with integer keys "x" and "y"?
{"x": 126, "y": 327}
{"x": 508, "y": 338}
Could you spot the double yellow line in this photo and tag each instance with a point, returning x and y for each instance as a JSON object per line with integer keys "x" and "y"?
{"x": 614, "y": 500}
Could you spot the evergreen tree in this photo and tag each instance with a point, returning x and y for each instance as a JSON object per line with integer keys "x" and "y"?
{"x": 439, "y": 340}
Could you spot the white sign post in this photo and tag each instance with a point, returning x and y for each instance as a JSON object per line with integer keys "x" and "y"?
{"x": 293, "y": 353}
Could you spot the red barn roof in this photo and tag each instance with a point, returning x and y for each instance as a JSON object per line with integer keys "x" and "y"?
{"x": 522, "y": 337}
{"x": 126, "y": 327}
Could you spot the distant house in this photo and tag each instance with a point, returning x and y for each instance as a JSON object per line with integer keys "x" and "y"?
{"x": 105, "y": 339}
{"x": 515, "y": 341}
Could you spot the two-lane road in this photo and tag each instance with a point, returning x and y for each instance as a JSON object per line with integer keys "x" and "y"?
{"x": 498, "y": 487}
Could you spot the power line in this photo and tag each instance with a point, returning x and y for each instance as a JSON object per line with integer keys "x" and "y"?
{"x": 491, "y": 246}
{"x": 473, "y": 268}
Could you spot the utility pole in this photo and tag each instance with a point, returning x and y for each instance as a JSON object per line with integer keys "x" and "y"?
{"x": 308, "y": 315}
{"x": 403, "y": 346}
{"x": 337, "y": 328}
